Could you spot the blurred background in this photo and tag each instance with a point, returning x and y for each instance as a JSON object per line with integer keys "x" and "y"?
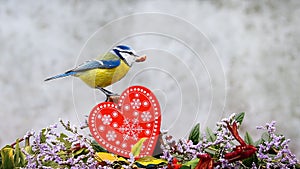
{"x": 206, "y": 60}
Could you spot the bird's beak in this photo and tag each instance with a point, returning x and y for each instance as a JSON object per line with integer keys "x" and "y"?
{"x": 140, "y": 58}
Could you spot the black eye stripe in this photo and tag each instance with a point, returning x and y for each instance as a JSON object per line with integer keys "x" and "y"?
{"x": 118, "y": 53}
{"x": 129, "y": 52}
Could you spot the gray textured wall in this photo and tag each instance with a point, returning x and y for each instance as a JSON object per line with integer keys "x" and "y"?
{"x": 206, "y": 59}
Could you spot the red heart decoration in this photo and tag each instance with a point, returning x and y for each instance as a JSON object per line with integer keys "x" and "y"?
{"x": 118, "y": 127}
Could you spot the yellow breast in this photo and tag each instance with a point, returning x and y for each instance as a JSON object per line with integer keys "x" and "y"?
{"x": 104, "y": 77}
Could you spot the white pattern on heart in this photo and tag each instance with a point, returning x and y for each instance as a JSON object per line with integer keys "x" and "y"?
{"x": 115, "y": 114}
{"x": 145, "y": 103}
{"x": 111, "y": 135}
{"x": 130, "y": 128}
{"x": 136, "y": 113}
{"x": 127, "y": 107}
{"x": 101, "y": 128}
{"x": 136, "y": 103}
{"x": 106, "y": 119}
{"x": 115, "y": 125}
{"x": 146, "y": 116}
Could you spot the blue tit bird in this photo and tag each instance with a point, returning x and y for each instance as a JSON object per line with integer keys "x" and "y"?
{"x": 105, "y": 69}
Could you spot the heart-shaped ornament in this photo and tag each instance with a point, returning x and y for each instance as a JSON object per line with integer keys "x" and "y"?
{"x": 117, "y": 127}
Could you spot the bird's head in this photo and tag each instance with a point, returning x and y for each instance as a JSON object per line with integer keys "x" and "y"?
{"x": 127, "y": 54}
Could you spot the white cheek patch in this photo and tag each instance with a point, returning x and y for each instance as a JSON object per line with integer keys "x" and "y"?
{"x": 129, "y": 59}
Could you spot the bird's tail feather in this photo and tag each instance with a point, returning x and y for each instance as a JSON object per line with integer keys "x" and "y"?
{"x": 68, "y": 73}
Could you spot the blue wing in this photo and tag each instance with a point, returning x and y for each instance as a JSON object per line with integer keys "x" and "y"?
{"x": 97, "y": 64}
{"x": 88, "y": 65}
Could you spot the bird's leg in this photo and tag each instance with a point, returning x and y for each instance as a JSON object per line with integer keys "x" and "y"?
{"x": 107, "y": 93}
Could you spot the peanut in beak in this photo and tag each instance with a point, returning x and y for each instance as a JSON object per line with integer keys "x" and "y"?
{"x": 141, "y": 58}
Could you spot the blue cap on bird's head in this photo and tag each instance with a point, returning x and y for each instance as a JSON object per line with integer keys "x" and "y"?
{"x": 124, "y": 47}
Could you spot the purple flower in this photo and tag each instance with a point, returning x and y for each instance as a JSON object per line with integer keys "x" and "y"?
{"x": 283, "y": 158}
{"x": 48, "y": 149}
{"x": 167, "y": 156}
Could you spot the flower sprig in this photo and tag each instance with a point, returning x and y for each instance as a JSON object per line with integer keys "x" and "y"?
{"x": 273, "y": 149}
{"x": 54, "y": 150}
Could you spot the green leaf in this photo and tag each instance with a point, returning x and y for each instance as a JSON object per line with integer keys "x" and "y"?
{"x": 248, "y": 139}
{"x": 211, "y": 137}
{"x": 249, "y": 161}
{"x": 62, "y": 139}
{"x": 191, "y": 164}
{"x": 265, "y": 136}
{"x": 16, "y": 154}
{"x": 211, "y": 150}
{"x": 148, "y": 161}
{"x": 19, "y": 156}
{"x": 51, "y": 164}
{"x": 97, "y": 147}
{"x": 195, "y": 134}
{"x": 79, "y": 152}
{"x": 136, "y": 149}
{"x": 258, "y": 142}
{"x": 239, "y": 117}
{"x": 7, "y": 155}
{"x": 43, "y": 135}
{"x": 28, "y": 149}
